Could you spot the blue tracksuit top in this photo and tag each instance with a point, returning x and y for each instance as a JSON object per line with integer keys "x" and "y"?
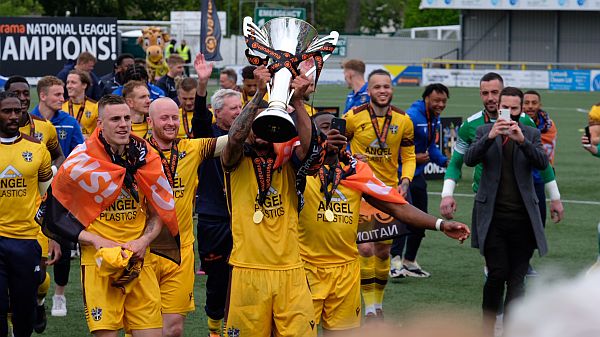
{"x": 67, "y": 129}
{"x": 418, "y": 115}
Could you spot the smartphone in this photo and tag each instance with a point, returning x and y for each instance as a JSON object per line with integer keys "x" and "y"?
{"x": 589, "y": 136}
{"x": 504, "y": 114}
{"x": 338, "y": 124}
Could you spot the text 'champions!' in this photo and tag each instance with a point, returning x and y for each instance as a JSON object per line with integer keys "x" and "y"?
{"x": 57, "y": 41}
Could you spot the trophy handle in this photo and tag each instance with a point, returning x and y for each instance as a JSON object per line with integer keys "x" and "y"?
{"x": 252, "y": 29}
{"x": 331, "y": 38}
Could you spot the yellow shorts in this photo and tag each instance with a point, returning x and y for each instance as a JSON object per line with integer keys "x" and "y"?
{"x": 43, "y": 241}
{"x": 335, "y": 294}
{"x": 176, "y": 282}
{"x": 108, "y": 308}
{"x": 264, "y": 303}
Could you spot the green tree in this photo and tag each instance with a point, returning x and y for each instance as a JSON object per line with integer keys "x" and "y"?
{"x": 414, "y": 17}
{"x": 20, "y": 7}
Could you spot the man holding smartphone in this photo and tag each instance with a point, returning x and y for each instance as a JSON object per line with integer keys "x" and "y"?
{"x": 490, "y": 86}
{"x": 507, "y": 226}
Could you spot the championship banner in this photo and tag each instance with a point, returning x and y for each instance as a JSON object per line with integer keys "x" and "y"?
{"x": 35, "y": 47}
{"x": 210, "y": 31}
{"x": 445, "y": 139}
{"x": 374, "y": 225}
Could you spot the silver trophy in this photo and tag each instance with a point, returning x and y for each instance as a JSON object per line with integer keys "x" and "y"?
{"x": 282, "y": 44}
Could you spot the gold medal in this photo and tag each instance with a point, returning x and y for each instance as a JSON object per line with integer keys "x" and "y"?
{"x": 329, "y": 215}
{"x": 258, "y": 216}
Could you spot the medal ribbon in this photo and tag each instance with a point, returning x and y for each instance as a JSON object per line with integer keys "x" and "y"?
{"x": 186, "y": 126}
{"x": 263, "y": 169}
{"x": 381, "y": 135}
{"x": 80, "y": 112}
{"x": 170, "y": 165}
{"x": 32, "y": 126}
{"x": 332, "y": 176}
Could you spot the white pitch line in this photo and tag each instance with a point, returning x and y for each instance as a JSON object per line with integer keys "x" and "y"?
{"x": 580, "y": 202}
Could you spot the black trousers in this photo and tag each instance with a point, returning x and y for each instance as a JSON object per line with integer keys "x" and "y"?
{"x": 509, "y": 246}
{"x": 214, "y": 247}
{"x": 19, "y": 278}
{"x": 62, "y": 267}
{"x": 412, "y": 241}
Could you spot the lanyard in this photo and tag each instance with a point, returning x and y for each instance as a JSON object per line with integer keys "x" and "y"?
{"x": 331, "y": 176}
{"x": 80, "y": 112}
{"x": 186, "y": 126}
{"x": 381, "y": 135}
{"x": 170, "y": 165}
{"x": 263, "y": 169}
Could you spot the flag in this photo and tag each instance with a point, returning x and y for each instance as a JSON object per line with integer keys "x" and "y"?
{"x": 210, "y": 31}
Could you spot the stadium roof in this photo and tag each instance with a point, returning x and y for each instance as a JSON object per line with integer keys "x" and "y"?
{"x": 537, "y": 5}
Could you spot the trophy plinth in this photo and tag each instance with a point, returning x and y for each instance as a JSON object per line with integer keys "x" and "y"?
{"x": 274, "y": 125}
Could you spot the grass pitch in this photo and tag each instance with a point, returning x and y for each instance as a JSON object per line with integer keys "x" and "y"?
{"x": 457, "y": 278}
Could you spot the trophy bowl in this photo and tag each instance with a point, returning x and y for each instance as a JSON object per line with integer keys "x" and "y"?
{"x": 279, "y": 40}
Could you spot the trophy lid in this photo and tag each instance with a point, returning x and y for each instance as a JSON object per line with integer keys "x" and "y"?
{"x": 289, "y": 34}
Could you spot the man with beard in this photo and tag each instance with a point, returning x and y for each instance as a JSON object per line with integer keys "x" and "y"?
{"x": 383, "y": 134}
{"x": 532, "y": 105}
{"x": 490, "y": 86}
{"x": 43, "y": 131}
{"x": 425, "y": 116}
{"x": 328, "y": 228}
{"x": 26, "y": 175}
{"x": 180, "y": 159}
{"x": 268, "y": 291}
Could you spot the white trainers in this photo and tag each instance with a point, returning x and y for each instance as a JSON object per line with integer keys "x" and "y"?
{"x": 396, "y": 268}
{"x": 413, "y": 269}
{"x": 59, "y": 306}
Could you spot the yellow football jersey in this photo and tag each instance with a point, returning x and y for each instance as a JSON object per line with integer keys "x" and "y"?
{"x": 141, "y": 130}
{"x": 246, "y": 99}
{"x": 399, "y": 142}
{"x": 41, "y": 130}
{"x": 87, "y": 117}
{"x": 273, "y": 242}
{"x": 23, "y": 164}
{"x": 191, "y": 154}
{"x": 123, "y": 221}
{"x": 183, "y": 131}
{"x": 323, "y": 242}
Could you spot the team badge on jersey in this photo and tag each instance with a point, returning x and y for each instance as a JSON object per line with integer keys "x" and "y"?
{"x": 39, "y": 136}
{"x": 394, "y": 129}
{"x": 233, "y": 332}
{"x": 28, "y": 156}
{"x": 88, "y": 114}
{"x": 96, "y": 314}
{"x": 62, "y": 134}
{"x": 182, "y": 154}
{"x": 312, "y": 324}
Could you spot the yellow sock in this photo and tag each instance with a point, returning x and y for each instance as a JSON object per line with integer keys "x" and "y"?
{"x": 43, "y": 289}
{"x": 367, "y": 282}
{"x": 382, "y": 269}
{"x": 214, "y": 325}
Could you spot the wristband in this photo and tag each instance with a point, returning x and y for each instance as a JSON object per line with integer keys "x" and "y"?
{"x": 448, "y": 189}
{"x": 552, "y": 191}
{"x": 438, "y": 224}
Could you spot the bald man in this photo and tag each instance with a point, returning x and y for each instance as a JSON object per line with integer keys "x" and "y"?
{"x": 180, "y": 158}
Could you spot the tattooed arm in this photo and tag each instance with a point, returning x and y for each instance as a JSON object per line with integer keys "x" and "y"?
{"x": 240, "y": 129}
{"x": 303, "y": 121}
{"x": 153, "y": 227}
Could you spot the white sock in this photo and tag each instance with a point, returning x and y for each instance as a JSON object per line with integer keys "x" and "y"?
{"x": 370, "y": 309}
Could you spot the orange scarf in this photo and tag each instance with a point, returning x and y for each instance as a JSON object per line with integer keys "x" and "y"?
{"x": 364, "y": 180}
{"x": 88, "y": 182}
